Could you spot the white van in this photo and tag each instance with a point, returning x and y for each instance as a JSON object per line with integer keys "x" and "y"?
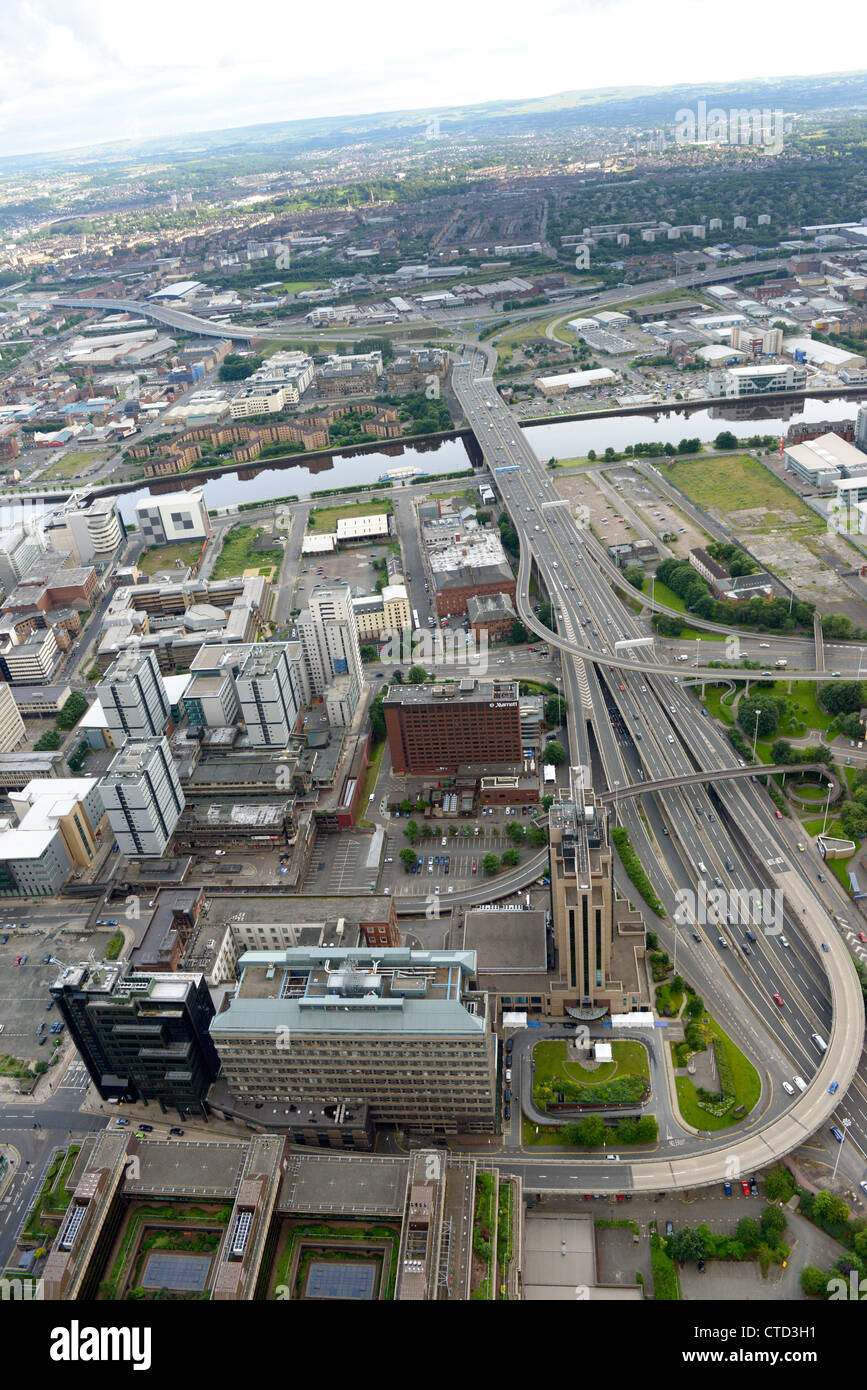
{"x": 671, "y": 738}
{"x": 820, "y": 1042}
{"x": 800, "y": 1083}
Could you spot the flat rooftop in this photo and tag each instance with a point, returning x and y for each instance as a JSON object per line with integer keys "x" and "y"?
{"x": 344, "y": 1184}
{"x": 468, "y": 691}
{"x": 506, "y": 941}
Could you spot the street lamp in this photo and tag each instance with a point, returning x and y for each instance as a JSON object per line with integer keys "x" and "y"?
{"x": 860, "y": 659}
{"x": 827, "y": 804}
{"x": 756, "y": 734}
{"x": 846, "y": 1124}
{"x": 616, "y": 787}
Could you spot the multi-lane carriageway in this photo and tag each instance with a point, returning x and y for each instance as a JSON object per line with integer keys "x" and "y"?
{"x": 646, "y": 727}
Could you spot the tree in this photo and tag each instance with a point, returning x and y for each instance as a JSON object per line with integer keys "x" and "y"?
{"x": 749, "y": 1233}
{"x": 555, "y": 709}
{"x": 779, "y": 1185}
{"x": 406, "y": 806}
{"x": 546, "y": 615}
{"x": 407, "y": 857}
{"x": 634, "y": 575}
{"x": 843, "y": 698}
{"x": 648, "y": 1130}
{"x": 515, "y": 831}
{"x": 376, "y": 717}
{"x": 518, "y": 633}
{"x": 781, "y": 750}
{"x": 590, "y": 1131}
{"x": 510, "y": 858}
{"x": 411, "y": 831}
{"x": 725, "y": 440}
{"x": 537, "y": 836}
{"x": 368, "y": 652}
{"x": 416, "y": 675}
{"x": 814, "y": 1281}
{"x": 547, "y": 802}
{"x": 830, "y": 1208}
{"x": 688, "y": 1244}
{"x": 768, "y": 710}
{"x": 554, "y": 753}
{"x": 773, "y": 1223}
{"x": 694, "y": 1006}
{"x": 490, "y": 864}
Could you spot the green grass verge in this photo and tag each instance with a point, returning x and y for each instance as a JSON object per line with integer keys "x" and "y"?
{"x": 745, "y": 1079}
{"x": 238, "y": 555}
{"x": 325, "y": 519}
{"x": 737, "y": 482}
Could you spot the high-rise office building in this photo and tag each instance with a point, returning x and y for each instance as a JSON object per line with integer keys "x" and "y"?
{"x": 332, "y": 657}
{"x": 12, "y": 730}
{"x": 141, "y": 1036}
{"x": 402, "y": 1030}
{"x": 142, "y": 794}
{"x": 438, "y": 728}
{"x": 133, "y": 697}
{"x": 270, "y": 693}
{"x": 861, "y": 427}
{"x": 599, "y": 943}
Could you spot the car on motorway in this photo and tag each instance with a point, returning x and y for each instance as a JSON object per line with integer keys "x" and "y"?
{"x": 833, "y": 1088}
{"x": 788, "y": 1088}
{"x": 747, "y": 950}
{"x": 784, "y": 942}
{"x": 778, "y": 1000}
{"x": 722, "y": 941}
{"x": 778, "y": 813}
{"x": 821, "y": 877}
{"x": 825, "y": 947}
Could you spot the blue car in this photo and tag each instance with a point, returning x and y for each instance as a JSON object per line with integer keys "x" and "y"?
{"x": 837, "y": 1134}
{"x": 833, "y": 1088}
{"x": 728, "y": 1188}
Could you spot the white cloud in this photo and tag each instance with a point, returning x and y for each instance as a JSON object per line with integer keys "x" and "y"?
{"x": 83, "y": 71}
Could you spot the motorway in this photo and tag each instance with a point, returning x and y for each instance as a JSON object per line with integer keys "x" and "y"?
{"x": 631, "y": 720}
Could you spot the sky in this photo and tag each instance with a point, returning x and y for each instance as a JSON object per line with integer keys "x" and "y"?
{"x": 79, "y": 72}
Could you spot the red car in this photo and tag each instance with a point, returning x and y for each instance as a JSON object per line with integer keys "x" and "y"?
{"x": 17, "y": 960}
{"x": 746, "y": 1188}
{"x": 861, "y": 936}
{"x": 778, "y": 814}
{"x": 474, "y": 868}
{"x": 778, "y": 1000}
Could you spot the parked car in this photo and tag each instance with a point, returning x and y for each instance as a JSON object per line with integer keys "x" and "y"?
{"x": 175, "y": 1130}
{"x": 727, "y": 1188}
{"x": 669, "y": 1228}
{"x": 745, "y": 1188}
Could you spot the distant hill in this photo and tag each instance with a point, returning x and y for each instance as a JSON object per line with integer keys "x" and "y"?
{"x": 612, "y": 107}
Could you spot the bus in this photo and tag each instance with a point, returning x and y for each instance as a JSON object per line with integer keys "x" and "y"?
{"x": 415, "y": 622}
